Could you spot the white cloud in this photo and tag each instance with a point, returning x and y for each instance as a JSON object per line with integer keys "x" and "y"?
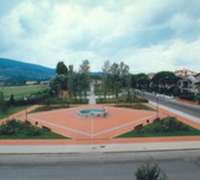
{"x": 175, "y": 55}
{"x": 47, "y": 31}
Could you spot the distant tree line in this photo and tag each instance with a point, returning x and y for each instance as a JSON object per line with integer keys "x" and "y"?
{"x": 163, "y": 82}
{"x": 116, "y": 78}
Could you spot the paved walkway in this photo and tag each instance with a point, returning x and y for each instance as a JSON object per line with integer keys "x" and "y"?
{"x": 105, "y": 148}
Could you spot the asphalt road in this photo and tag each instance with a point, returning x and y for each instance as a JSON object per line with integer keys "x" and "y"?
{"x": 176, "y": 165}
{"x": 171, "y": 103}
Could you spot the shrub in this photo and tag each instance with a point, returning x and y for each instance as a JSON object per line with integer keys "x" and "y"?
{"x": 139, "y": 106}
{"x": 138, "y": 127}
{"x": 33, "y": 132}
{"x": 22, "y": 130}
{"x": 9, "y": 128}
{"x": 150, "y": 171}
{"x": 50, "y": 107}
{"x": 13, "y": 127}
{"x": 122, "y": 99}
{"x": 64, "y": 101}
{"x": 167, "y": 125}
{"x": 197, "y": 98}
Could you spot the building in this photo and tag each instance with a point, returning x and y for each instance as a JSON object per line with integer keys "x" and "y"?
{"x": 189, "y": 84}
{"x": 151, "y": 75}
{"x": 198, "y": 84}
{"x": 183, "y": 73}
{"x": 31, "y": 82}
{"x": 44, "y": 82}
{"x": 198, "y": 76}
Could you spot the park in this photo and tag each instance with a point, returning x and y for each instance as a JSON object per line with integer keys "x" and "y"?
{"x": 112, "y": 112}
{"x": 99, "y": 90}
{"x": 84, "y": 108}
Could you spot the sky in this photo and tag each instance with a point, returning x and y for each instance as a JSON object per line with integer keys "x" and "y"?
{"x": 148, "y": 35}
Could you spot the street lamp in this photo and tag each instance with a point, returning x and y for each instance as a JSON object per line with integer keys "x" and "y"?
{"x": 26, "y": 111}
{"x": 157, "y": 107}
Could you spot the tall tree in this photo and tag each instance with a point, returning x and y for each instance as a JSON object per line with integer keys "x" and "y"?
{"x": 85, "y": 67}
{"x": 58, "y": 84}
{"x": 2, "y": 102}
{"x": 72, "y": 82}
{"x": 124, "y": 75}
{"x": 106, "y": 77}
{"x": 85, "y": 76}
{"x": 142, "y": 81}
{"x": 1, "y": 96}
{"x": 125, "y": 79}
{"x": 133, "y": 81}
{"x": 12, "y": 99}
{"x": 115, "y": 79}
{"x": 61, "y": 68}
{"x": 106, "y": 67}
{"x": 164, "y": 81}
{"x": 71, "y": 69}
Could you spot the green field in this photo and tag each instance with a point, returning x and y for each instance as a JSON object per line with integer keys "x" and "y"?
{"x": 20, "y": 91}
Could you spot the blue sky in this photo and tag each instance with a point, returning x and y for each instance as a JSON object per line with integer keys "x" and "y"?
{"x": 148, "y": 35}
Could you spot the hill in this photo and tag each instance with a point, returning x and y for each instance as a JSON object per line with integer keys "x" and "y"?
{"x": 15, "y": 72}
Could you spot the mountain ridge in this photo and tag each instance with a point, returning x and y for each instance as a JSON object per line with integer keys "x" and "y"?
{"x": 16, "y": 72}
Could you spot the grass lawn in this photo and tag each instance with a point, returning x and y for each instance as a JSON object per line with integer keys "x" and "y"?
{"x": 20, "y": 91}
{"x": 139, "y": 106}
{"x": 21, "y": 130}
{"x": 169, "y": 126}
{"x": 12, "y": 110}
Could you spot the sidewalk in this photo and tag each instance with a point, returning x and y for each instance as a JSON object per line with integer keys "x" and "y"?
{"x": 105, "y": 148}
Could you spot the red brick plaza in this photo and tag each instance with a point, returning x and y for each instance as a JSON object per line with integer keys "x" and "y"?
{"x": 69, "y": 123}
{"x": 96, "y": 130}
